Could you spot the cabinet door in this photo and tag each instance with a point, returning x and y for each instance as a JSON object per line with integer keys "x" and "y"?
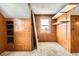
{"x": 22, "y": 35}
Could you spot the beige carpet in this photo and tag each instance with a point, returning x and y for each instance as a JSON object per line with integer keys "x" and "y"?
{"x": 44, "y": 49}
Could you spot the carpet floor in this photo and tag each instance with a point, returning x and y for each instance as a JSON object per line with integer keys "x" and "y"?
{"x": 44, "y": 49}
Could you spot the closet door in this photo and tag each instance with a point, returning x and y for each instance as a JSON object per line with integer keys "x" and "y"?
{"x": 75, "y": 33}
{"x": 3, "y": 34}
{"x": 22, "y": 34}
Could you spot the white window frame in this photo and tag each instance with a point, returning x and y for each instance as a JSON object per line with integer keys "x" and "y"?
{"x": 42, "y": 25}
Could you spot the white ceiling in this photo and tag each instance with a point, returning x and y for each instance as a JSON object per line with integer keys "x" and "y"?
{"x": 47, "y": 8}
{"x": 21, "y": 10}
{"x": 15, "y": 10}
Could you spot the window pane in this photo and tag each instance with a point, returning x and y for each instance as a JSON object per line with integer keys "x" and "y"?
{"x": 44, "y": 30}
{"x": 44, "y": 25}
{"x": 44, "y": 22}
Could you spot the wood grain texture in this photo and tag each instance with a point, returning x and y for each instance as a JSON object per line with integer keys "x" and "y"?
{"x": 22, "y": 38}
{"x": 43, "y": 36}
{"x": 75, "y": 33}
{"x": 3, "y": 37}
{"x": 63, "y": 32}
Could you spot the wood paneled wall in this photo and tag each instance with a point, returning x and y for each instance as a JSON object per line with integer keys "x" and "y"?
{"x": 63, "y": 32}
{"x": 3, "y": 37}
{"x": 68, "y": 33}
{"x": 43, "y": 36}
{"x": 22, "y": 34}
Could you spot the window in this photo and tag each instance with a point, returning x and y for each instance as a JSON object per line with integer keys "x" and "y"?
{"x": 44, "y": 25}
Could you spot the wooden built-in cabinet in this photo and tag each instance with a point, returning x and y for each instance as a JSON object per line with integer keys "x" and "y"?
{"x": 10, "y": 34}
{"x": 18, "y": 34}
